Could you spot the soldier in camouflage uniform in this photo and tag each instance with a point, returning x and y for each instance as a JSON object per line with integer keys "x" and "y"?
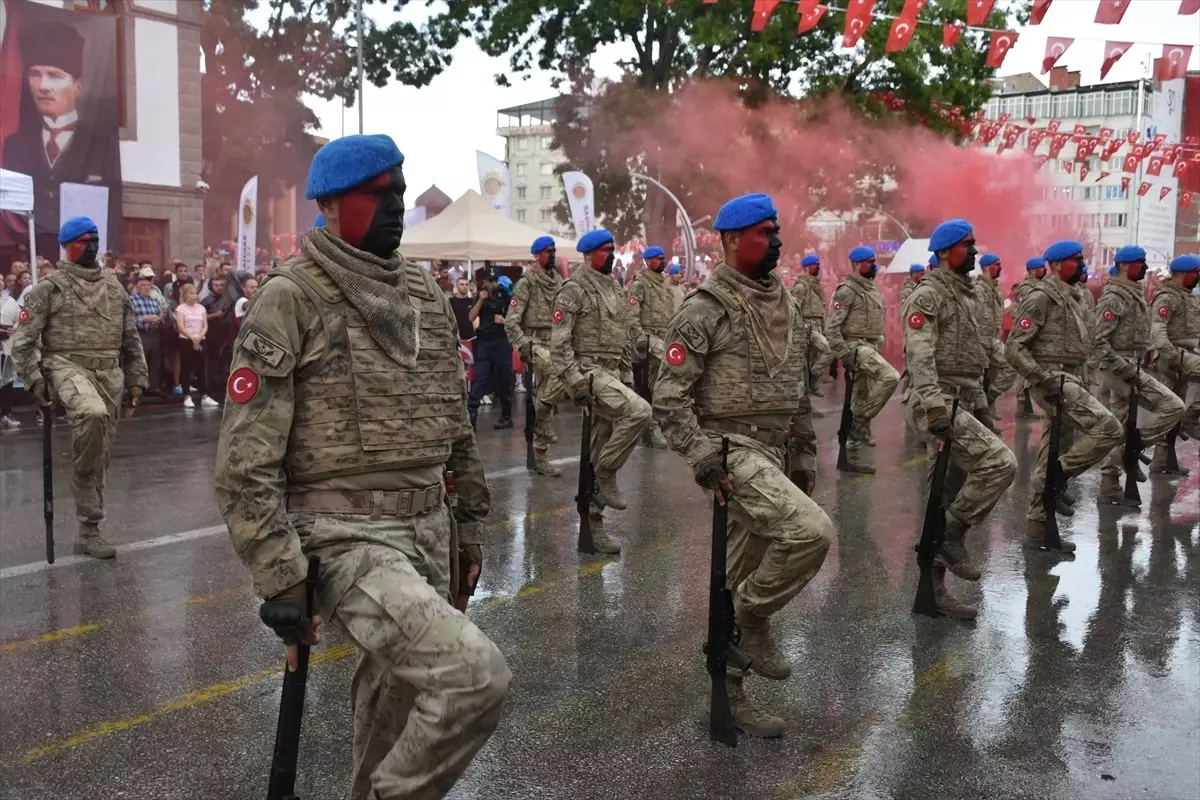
{"x": 915, "y": 273}
{"x": 735, "y": 367}
{"x": 1175, "y": 336}
{"x": 1035, "y": 271}
{"x": 347, "y": 403}
{"x": 654, "y": 302}
{"x": 949, "y": 347}
{"x": 528, "y": 327}
{"x": 1122, "y": 335}
{"x": 590, "y": 347}
{"x": 77, "y": 343}
{"x": 1048, "y": 344}
{"x": 1000, "y": 376}
{"x": 809, "y": 293}
{"x": 855, "y": 332}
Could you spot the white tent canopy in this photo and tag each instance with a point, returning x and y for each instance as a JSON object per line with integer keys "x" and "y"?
{"x": 913, "y": 251}
{"x": 471, "y": 229}
{"x": 16, "y": 195}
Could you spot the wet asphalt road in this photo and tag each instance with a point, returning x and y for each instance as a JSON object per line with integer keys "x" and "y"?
{"x": 151, "y": 677}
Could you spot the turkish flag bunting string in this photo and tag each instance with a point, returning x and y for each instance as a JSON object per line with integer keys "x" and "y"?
{"x": 1110, "y": 12}
{"x": 1039, "y": 11}
{"x": 1173, "y": 63}
{"x": 1172, "y": 153}
{"x": 1180, "y": 168}
{"x": 950, "y": 34}
{"x": 1083, "y": 172}
{"x": 1130, "y": 164}
{"x": 1082, "y": 151}
{"x": 856, "y": 24}
{"x": 763, "y": 9}
{"x": 1035, "y": 138}
{"x": 1145, "y": 187}
{"x": 1001, "y": 43}
{"x": 1159, "y": 138}
{"x": 1057, "y": 143}
{"x": 1103, "y": 175}
{"x": 1155, "y": 166}
{"x": 912, "y": 8}
{"x": 1041, "y": 162}
{"x": 977, "y": 12}
{"x": 900, "y": 34}
{"x": 1125, "y": 184}
{"x": 1187, "y": 7}
{"x": 810, "y": 15}
{"x": 1068, "y": 167}
{"x": 1079, "y": 129}
{"x": 1112, "y": 54}
{"x": 1163, "y": 192}
{"x": 1185, "y": 199}
{"x": 1133, "y": 137}
{"x": 1053, "y": 125}
{"x": 1106, "y": 134}
{"x": 1055, "y": 47}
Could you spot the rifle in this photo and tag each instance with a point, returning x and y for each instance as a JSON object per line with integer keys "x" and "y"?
{"x": 1171, "y": 467}
{"x": 530, "y": 413}
{"x": 721, "y": 647}
{"x": 1133, "y": 444}
{"x": 1051, "y": 540}
{"x": 641, "y": 376}
{"x": 48, "y": 479}
{"x": 291, "y": 707}
{"x": 587, "y": 483}
{"x": 843, "y": 434}
{"x": 934, "y": 529}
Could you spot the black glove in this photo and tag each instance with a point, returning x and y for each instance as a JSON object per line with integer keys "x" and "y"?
{"x": 1127, "y": 373}
{"x": 287, "y": 615}
{"x": 469, "y": 555}
{"x": 526, "y": 353}
{"x": 805, "y": 480}
{"x": 710, "y": 474}
{"x": 582, "y": 395}
{"x": 1051, "y": 392}
{"x": 939, "y": 423}
{"x": 40, "y": 394}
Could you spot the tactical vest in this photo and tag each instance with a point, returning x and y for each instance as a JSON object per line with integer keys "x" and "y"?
{"x": 1024, "y": 286}
{"x": 961, "y": 348}
{"x": 808, "y": 292}
{"x": 657, "y": 304}
{"x": 1063, "y": 338}
{"x": 601, "y": 328}
{"x": 1183, "y": 327}
{"x": 1132, "y": 333}
{"x": 865, "y": 318}
{"x": 77, "y": 326}
{"x": 543, "y": 286}
{"x": 358, "y": 410}
{"x": 735, "y": 381}
{"x": 991, "y": 307}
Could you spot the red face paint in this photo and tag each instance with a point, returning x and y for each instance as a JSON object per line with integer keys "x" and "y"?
{"x": 958, "y": 254}
{"x": 1039, "y": 273}
{"x": 544, "y": 257}
{"x": 599, "y": 257}
{"x": 753, "y": 244}
{"x": 356, "y": 209}
{"x": 1068, "y": 268}
{"x": 1190, "y": 279}
{"x": 994, "y": 271}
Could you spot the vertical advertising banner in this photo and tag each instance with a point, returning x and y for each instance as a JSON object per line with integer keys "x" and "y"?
{"x": 59, "y": 83}
{"x": 247, "y": 223}
{"x": 1156, "y": 212}
{"x": 494, "y": 182}
{"x": 581, "y": 199}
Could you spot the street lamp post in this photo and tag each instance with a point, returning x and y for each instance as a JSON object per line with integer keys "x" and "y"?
{"x": 689, "y": 233}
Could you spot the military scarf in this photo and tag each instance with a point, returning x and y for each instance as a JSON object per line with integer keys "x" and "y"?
{"x": 90, "y": 287}
{"x": 376, "y": 287}
{"x": 769, "y": 307}
{"x": 543, "y": 281}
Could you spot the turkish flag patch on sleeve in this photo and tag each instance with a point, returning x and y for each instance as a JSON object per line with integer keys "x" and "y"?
{"x": 916, "y": 320}
{"x": 1109, "y": 316}
{"x": 676, "y": 354}
{"x": 1025, "y": 324}
{"x": 23, "y": 316}
{"x": 1164, "y": 312}
{"x": 243, "y": 385}
{"x": 513, "y": 304}
{"x": 559, "y": 316}
{"x": 837, "y": 304}
{"x": 633, "y": 300}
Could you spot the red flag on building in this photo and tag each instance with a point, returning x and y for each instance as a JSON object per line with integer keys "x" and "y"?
{"x": 1069, "y": 167}
{"x": 1041, "y": 161}
{"x": 1039, "y": 11}
{"x": 1185, "y": 7}
{"x": 1035, "y": 138}
{"x": 763, "y": 9}
{"x": 810, "y": 15}
{"x": 1055, "y": 47}
{"x": 1103, "y": 175}
{"x": 1082, "y": 151}
{"x": 1155, "y": 166}
{"x": 1130, "y": 164}
{"x": 1174, "y": 61}
{"x": 1112, "y": 54}
{"x": 1145, "y": 187}
{"x": 1057, "y": 143}
{"x": 1083, "y": 172}
{"x": 1109, "y": 12}
{"x": 1001, "y": 43}
{"x": 1133, "y": 136}
{"x": 1105, "y": 134}
{"x": 1005, "y": 117}
{"x": 950, "y": 34}
{"x": 977, "y": 12}
{"x": 1180, "y": 168}
{"x": 1080, "y": 129}
{"x": 1185, "y": 199}
{"x": 1159, "y": 138}
{"x": 900, "y": 34}
{"x": 1163, "y": 192}
{"x": 1125, "y": 184}
{"x": 1170, "y": 154}
{"x": 1052, "y": 126}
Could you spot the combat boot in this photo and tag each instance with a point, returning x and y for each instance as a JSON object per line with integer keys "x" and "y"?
{"x": 607, "y": 492}
{"x": 542, "y": 465}
{"x": 89, "y": 542}
{"x": 867, "y": 438}
{"x": 757, "y": 643}
{"x": 604, "y": 543}
{"x": 652, "y": 438}
{"x": 947, "y": 604}
{"x": 747, "y": 716}
{"x": 1062, "y": 506}
{"x": 854, "y": 458}
{"x": 1112, "y": 493}
{"x": 474, "y": 414}
{"x": 1158, "y": 464}
{"x": 953, "y": 553}
{"x": 1035, "y": 534}
{"x": 505, "y": 421}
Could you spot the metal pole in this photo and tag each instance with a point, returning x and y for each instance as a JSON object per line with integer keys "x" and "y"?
{"x": 1137, "y": 199}
{"x": 689, "y": 233}
{"x": 360, "y": 65}
{"x": 899, "y": 224}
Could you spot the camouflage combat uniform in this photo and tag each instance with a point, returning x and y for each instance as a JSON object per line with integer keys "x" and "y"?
{"x": 809, "y": 293}
{"x": 855, "y": 332}
{"x": 331, "y": 448}
{"x": 1087, "y": 302}
{"x": 1175, "y": 336}
{"x": 655, "y": 304}
{"x": 1000, "y": 376}
{"x": 1050, "y": 340}
{"x": 906, "y": 291}
{"x": 1025, "y": 408}
{"x": 528, "y": 327}
{"x": 949, "y": 346}
{"x": 82, "y": 322}
{"x": 716, "y": 381}
{"x": 1122, "y": 327}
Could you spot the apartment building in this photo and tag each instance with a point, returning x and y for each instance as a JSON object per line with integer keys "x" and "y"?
{"x": 532, "y": 159}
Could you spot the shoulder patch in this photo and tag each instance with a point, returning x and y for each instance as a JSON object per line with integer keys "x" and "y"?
{"x": 633, "y": 301}
{"x": 23, "y": 316}
{"x": 1025, "y": 324}
{"x": 1164, "y": 312}
{"x": 513, "y": 304}
{"x": 676, "y": 354}
{"x": 559, "y": 316}
{"x": 916, "y": 320}
{"x": 1109, "y": 316}
{"x": 243, "y": 385}
{"x": 690, "y": 334}
{"x": 837, "y": 305}
{"x": 264, "y": 348}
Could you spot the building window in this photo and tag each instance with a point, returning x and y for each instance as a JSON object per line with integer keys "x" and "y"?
{"x": 520, "y": 215}
{"x": 520, "y": 170}
{"x": 1065, "y": 105}
{"x": 547, "y": 168}
{"x": 1115, "y": 193}
{"x": 544, "y": 215}
{"x": 992, "y": 109}
{"x": 520, "y": 192}
{"x": 1115, "y": 220}
{"x": 547, "y": 142}
{"x": 523, "y": 144}
{"x": 1091, "y": 192}
{"x": 1091, "y": 104}
{"x": 544, "y": 192}
{"x": 1039, "y": 106}
{"x": 1120, "y": 102}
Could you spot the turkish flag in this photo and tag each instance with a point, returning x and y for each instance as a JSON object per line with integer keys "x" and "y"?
{"x": 1052, "y": 126}
{"x": 1114, "y": 146}
{"x": 1005, "y": 117}
{"x": 1001, "y": 43}
{"x": 1068, "y": 167}
{"x": 855, "y": 28}
{"x": 900, "y": 34}
{"x": 1110, "y": 12}
{"x": 1105, "y": 134}
{"x": 763, "y": 9}
{"x": 1133, "y": 136}
{"x": 1112, "y": 54}
{"x": 977, "y": 12}
{"x": 1125, "y": 184}
{"x": 1163, "y": 192}
{"x": 1055, "y": 47}
{"x": 1180, "y": 168}
{"x": 1145, "y": 187}
{"x": 1079, "y": 129}
{"x": 1083, "y": 172}
{"x": 1039, "y": 10}
{"x": 1035, "y": 138}
{"x": 1159, "y": 138}
{"x": 1041, "y": 161}
{"x": 1082, "y": 151}
{"x": 1131, "y": 162}
{"x": 1188, "y": 7}
{"x": 1103, "y": 175}
{"x": 950, "y": 34}
{"x": 1192, "y": 139}
{"x": 1171, "y": 153}
{"x": 1141, "y": 151}
{"x": 810, "y": 15}
{"x": 1173, "y": 63}
{"x": 1185, "y": 199}
{"x": 912, "y": 8}
{"x": 1057, "y": 143}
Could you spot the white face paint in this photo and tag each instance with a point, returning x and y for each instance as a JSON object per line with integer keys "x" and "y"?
{"x": 54, "y": 91}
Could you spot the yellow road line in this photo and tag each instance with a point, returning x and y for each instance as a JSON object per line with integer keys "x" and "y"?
{"x": 52, "y": 636}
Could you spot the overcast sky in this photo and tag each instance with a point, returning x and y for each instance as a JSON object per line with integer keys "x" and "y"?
{"x": 440, "y": 127}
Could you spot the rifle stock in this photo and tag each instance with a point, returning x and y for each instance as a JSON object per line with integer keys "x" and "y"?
{"x": 587, "y": 482}
{"x": 530, "y": 414}
{"x": 641, "y": 376}
{"x": 291, "y": 707}
{"x": 1133, "y": 444}
{"x": 48, "y": 479}
{"x": 1051, "y": 539}
{"x": 847, "y": 423}
{"x": 934, "y": 529}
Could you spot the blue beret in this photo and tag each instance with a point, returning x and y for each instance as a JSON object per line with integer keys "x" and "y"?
{"x": 505, "y": 283}
{"x": 988, "y": 259}
{"x": 742, "y": 212}
{"x": 1061, "y": 251}
{"x": 1037, "y": 262}
{"x": 345, "y": 163}
{"x": 674, "y": 269}
{"x": 75, "y": 227}
{"x": 948, "y": 234}
{"x": 1186, "y": 263}
{"x": 861, "y": 253}
{"x": 319, "y": 222}
{"x": 810, "y": 260}
{"x": 653, "y": 252}
{"x": 593, "y": 240}
{"x": 916, "y": 268}
{"x": 933, "y": 260}
{"x": 540, "y": 244}
{"x": 1129, "y": 253}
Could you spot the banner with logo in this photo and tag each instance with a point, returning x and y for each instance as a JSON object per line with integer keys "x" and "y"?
{"x": 247, "y": 223}
{"x": 581, "y": 199}
{"x": 494, "y": 182}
